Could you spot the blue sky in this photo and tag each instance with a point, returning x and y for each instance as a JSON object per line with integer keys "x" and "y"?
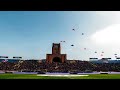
{"x": 30, "y": 34}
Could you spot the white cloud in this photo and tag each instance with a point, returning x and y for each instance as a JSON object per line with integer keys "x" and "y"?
{"x": 113, "y": 16}
{"x": 108, "y": 13}
{"x": 109, "y": 35}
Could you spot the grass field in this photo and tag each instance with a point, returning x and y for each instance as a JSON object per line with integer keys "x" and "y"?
{"x": 34, "y": 76}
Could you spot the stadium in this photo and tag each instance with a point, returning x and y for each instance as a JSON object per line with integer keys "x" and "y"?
{"x": 56, "y": 66}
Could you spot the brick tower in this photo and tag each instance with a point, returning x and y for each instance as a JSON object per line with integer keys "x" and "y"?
{"x": 56, "y": 55}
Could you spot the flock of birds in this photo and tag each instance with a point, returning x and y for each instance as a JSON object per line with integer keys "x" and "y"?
{"x": 102, "y": 53}
{"x": 73, "y": 30}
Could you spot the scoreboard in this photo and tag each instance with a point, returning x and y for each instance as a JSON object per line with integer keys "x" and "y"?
{"x": 13, "y": 57}
{"x": 3, "y": 56}
{"x": 106, "y": 58}
{"x": 118, "y": 58}
{"x": 92, "y": 59}
{"x": 17, "y": 57}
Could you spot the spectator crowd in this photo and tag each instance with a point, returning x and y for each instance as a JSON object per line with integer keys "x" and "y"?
{"x": 75, "y": 65}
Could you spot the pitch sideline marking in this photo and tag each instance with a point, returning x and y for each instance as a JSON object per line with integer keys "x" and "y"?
{"x": 62, "y": 75}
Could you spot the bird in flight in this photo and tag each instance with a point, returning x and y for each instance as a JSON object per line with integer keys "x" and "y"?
{"x": 82, "y": 33}
{"x": 73, "y": 29}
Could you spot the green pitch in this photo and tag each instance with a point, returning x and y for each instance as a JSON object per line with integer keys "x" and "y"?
{"x": 34, "y": 76}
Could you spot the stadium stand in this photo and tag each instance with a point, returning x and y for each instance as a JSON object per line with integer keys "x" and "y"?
{"x": 70, "y": 66}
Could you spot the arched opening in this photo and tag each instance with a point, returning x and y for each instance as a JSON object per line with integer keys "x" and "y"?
{"x": 56, "y": 59}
